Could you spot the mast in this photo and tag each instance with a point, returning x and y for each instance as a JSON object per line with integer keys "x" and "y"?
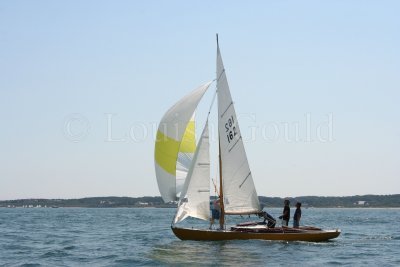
{"x": 221, "y": 191}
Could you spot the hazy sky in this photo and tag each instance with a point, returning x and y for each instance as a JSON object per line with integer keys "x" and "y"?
{"x": 83, "y": 85}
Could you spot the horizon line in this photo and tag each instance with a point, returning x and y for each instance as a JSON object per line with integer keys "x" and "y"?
{"x": 288, "y": 197}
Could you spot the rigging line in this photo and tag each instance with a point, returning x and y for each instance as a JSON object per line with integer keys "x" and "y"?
{"x": 219, "y": 76}
{"x": 212, "y": 102}
{"x": 216, "y": 178}
{"x": 215, "y": 187}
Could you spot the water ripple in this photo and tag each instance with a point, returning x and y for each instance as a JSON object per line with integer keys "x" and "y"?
{"x": 142, "y": 237}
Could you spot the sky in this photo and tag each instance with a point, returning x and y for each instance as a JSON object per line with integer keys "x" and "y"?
{"x": 83, "y": 85}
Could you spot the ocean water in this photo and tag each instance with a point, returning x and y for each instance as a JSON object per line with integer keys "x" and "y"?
{"x": 142, "y": 237}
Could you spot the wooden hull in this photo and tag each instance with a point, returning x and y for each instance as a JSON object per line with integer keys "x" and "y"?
{"x": 218, "y": 235}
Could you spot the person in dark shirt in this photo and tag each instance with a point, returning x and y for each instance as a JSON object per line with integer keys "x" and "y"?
{"x": 297, "y": 215}
{"x": 267, "y": 217}
{"x": 286, "y": 213}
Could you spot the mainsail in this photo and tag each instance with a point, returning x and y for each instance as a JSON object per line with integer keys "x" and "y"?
{"x": 239, "y": 193}
{"x": 175, "y": 136}
{"x": 195, "y": 195}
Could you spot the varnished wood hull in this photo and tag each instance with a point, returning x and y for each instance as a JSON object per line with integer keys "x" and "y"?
{"x": 218, "y": 235}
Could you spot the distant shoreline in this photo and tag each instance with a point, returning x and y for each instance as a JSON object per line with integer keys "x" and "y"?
{"x": 155, "y": 207}
{"x": 364, "y": 201}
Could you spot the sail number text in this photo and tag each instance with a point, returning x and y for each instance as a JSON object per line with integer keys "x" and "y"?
{"x": 230, "y": 128}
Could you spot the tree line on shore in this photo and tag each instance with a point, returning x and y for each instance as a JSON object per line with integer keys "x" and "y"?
{"x": 373, "y": 201}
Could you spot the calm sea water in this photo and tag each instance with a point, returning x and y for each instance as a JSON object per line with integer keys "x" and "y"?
{"x": 137, "y": 237}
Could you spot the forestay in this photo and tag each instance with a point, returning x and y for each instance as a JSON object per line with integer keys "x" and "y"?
{"x": 176, "y": 136}
{"x": 239, "y": 193}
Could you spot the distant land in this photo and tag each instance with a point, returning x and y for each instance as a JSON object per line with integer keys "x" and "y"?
{"x": 372, "y": 201}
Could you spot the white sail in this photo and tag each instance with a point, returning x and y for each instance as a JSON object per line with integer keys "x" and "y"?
{"x": 195, "y": 195}
{"x": 185, "y": 154}
{"x": 175, "y": 135}
{"x": 239, "y": 193}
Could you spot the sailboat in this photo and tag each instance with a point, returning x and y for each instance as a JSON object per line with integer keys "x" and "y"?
{"x": 183, "y": 172}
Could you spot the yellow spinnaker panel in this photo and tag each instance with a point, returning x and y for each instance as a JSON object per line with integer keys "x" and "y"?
{"x": 188, "y": 144}
{"x": 167, "y": 148}
{"x": 166, "y": 152}
{"x": 175, "y": 136}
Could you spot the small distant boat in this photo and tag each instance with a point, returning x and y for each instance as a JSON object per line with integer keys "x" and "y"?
{"x": 183, "y": 172}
